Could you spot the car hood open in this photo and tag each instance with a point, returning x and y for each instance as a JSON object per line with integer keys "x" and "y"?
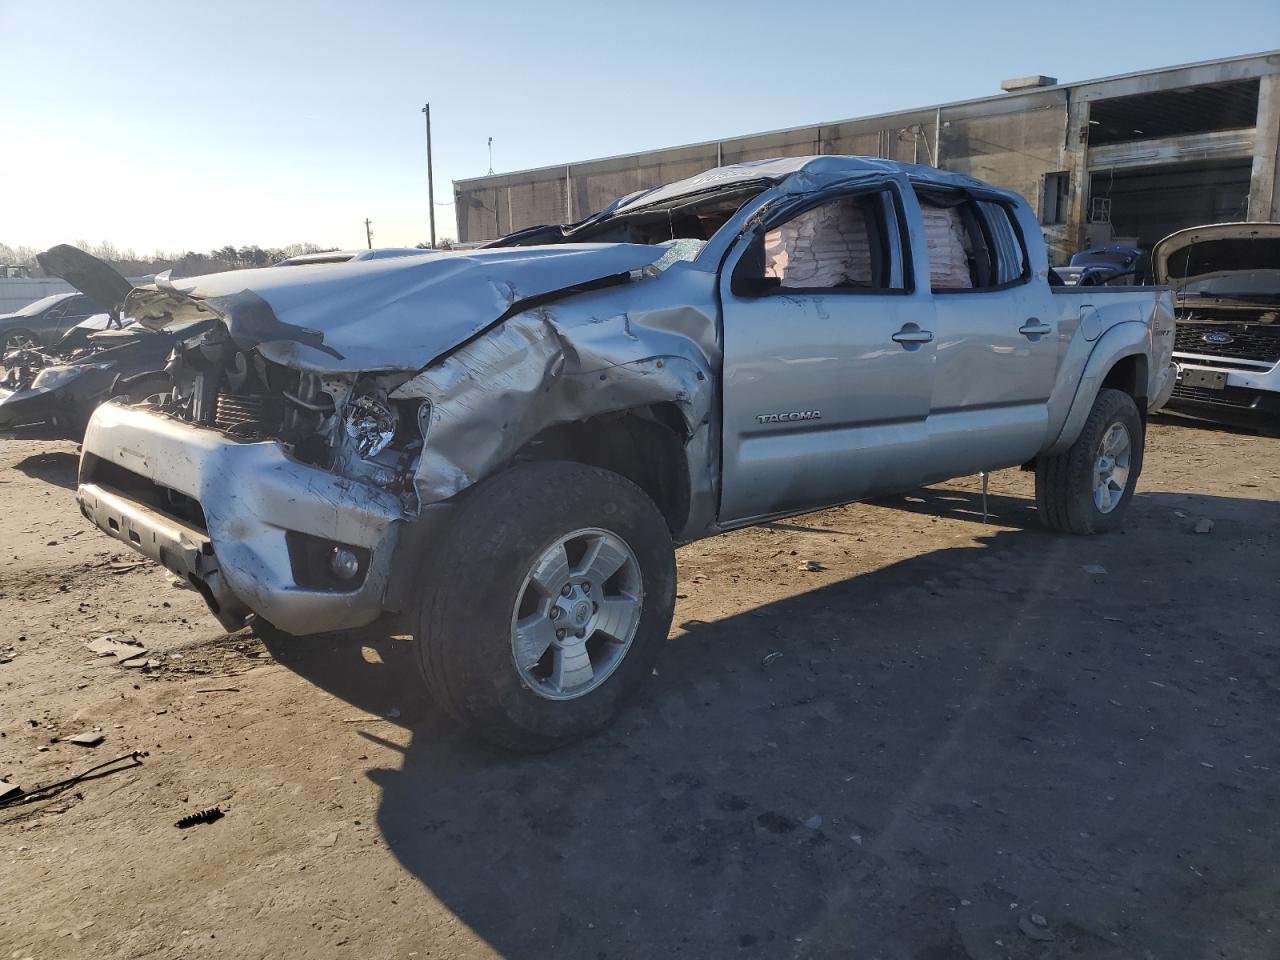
{"x": 95, "y": 278}
{"x": 380, "y": 315}
{"x": 1171, "y": 260}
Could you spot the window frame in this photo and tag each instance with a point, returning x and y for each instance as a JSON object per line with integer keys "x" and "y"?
{"x": 1061, "y": 202}
{"x": 58, "y": 310}
{"x": 970, "y": 199}
{"x": 738, "y": 284}
{"x": 78, "y": 306}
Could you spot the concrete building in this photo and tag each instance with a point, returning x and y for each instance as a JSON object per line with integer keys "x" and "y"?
{"x": 17, "y": 292}
{"x": 1125, "y": 158}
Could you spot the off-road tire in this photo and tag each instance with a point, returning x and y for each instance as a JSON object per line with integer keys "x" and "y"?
{"x": 473, "y": 574}
{"x": 1064, "y": 482}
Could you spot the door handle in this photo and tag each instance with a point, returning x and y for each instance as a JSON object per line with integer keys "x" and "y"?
{"x": 1034, "y": 328}
{"x": 906, "y": 336}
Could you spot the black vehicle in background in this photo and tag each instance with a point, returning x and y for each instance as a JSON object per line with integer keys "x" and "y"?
{"x": 100, "y": 358}
{"x": 41, "y": 324}
{"x": 1104, "y": 265}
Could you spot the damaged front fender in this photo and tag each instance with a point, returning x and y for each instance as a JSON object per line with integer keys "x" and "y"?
{"x": 572, "y": 361}
{"x": 423, "y": 375}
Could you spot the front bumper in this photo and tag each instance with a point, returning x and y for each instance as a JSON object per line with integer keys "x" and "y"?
{"x": 22, "y": 408}
{"x": 66, "y": 405}
{"x": 228, "y": 517}
{"x": 1251, "y": 393}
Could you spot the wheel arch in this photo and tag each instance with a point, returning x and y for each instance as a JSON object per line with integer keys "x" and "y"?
{"x": 646, "y": 444}
{"x": 1118, "y": 361}
{"x": 1129, "y": 375}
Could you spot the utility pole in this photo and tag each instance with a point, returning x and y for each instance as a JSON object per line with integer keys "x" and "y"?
{"x": 368, "y": 232}
{"x": 431, "y": 190}
{"x": 490, "y": 156}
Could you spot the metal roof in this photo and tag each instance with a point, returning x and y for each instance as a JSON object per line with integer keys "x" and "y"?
{"x": 818, "y": 169}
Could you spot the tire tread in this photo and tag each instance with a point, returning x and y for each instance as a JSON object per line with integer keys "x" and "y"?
{"x": 1063, "y": 481}
{"x": 492, "y": 516}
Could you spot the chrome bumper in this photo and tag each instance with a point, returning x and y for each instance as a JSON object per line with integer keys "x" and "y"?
{"x": 1247, "y": 374}
{"x": 254, "y": 498}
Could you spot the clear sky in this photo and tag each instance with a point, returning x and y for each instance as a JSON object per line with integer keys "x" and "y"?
{"x": 188, "y": 125}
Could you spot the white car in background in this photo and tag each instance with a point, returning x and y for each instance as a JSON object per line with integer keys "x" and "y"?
{"x": 1226, "y": 283}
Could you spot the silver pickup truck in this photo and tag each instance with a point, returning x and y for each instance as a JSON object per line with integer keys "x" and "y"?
{"x": 507, "y": 442}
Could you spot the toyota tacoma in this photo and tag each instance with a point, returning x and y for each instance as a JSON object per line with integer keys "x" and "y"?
{"x": 506, "y": 443}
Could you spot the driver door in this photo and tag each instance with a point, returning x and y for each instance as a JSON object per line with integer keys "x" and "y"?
{"x": 828, "y": 356}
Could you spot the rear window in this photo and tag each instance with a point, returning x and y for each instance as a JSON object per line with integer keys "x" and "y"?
{"x": 974, "y": 245}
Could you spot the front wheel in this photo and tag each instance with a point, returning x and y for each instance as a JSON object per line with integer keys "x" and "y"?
{"x": 17, "y": 338}
{"x": 547, "y": 602}
{"x": 1087, "y": 488}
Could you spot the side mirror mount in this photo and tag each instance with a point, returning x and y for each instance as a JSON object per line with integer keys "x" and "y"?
{"x": 748, "y": 275}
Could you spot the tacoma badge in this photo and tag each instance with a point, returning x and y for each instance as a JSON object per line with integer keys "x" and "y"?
{"x": 785, "y": 417}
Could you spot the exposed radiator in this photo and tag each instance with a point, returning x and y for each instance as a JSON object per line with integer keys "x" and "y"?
{"x": 233, "y": 410}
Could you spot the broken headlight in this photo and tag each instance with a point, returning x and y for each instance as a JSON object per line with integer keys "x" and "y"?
{"x": 50, "y": 378}
{"x": 370, "y": 425}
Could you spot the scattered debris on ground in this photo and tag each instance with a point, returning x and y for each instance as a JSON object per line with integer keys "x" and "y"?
{"x": 87, "y": 739}
{"x": 107, "y": 767}
{"x": 210, "y": 815}
{"x": 1035, "y": 926}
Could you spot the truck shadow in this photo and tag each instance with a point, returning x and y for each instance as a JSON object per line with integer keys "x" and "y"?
{"x": 1001, "y": 510}
{"x": 945, "y": 744}
{"x": 1189, "y": 421}
{"x": 56, "y": 467}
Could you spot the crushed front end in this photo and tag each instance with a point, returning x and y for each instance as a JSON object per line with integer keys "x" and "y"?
{"x": 326, "y": 418}
{"x": 272, "y": 491}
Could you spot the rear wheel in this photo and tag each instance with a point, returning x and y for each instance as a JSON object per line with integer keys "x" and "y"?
{"x": 546, "y": 603}
{"x": 1087, "y": 488}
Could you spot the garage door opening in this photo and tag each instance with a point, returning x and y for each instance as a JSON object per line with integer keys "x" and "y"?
{"x": 1152, "y": 202}
{"x": 1171, "y": 113}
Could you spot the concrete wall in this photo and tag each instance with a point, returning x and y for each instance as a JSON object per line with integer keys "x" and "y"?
{"x": 17, "y": 292}
{"x": 1012, "y": 141}
{"x": 1264, "y": 182}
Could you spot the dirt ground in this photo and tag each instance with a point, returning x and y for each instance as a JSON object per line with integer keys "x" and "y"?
{"x": 944, "y": 734}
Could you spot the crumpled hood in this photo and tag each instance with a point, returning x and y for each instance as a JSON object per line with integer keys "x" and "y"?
{"x": 97, "y": 279}
{"x": 1176, "y": 247}
{"x": 379, "y": 315}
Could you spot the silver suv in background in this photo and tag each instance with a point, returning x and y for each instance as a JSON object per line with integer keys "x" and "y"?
{"x": 507, "y": 442}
